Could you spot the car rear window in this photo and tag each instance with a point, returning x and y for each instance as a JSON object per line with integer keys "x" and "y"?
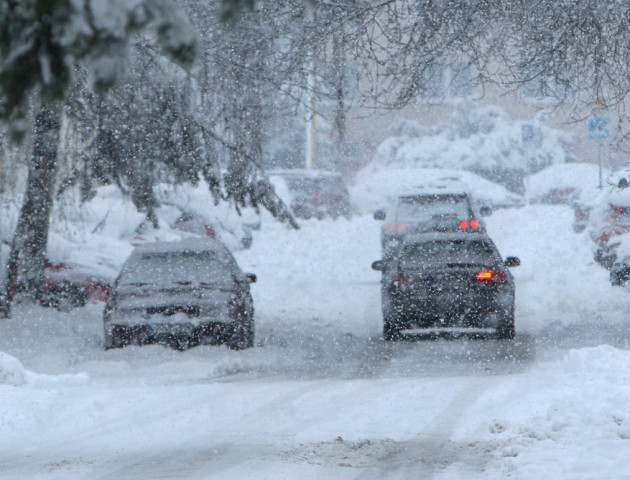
{"x": 177, "y": 266}
{"x": 303, "y": 185}
{"x": 442, "y": 252}
{"x": 424, "y": 207}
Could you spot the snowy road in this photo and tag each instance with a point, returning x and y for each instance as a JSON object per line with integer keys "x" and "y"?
{"x": 322, "y": 396}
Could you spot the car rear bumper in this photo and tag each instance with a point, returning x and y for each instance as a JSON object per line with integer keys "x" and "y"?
{"x": 474, "y": 311}
{"x": 174, "y": 334}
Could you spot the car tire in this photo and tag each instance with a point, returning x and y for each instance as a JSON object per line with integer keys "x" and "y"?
{"x": 391, "y": 330}
{"x": 110, "y": 343}
{"x": 65, "y": 297}
{"x": 506, "y": 330}
{"x": 241, "y": 337}
{"x": 180, "y": 342}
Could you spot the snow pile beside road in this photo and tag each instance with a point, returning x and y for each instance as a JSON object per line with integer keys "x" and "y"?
{"x": 571, "y": 420}
{"x": 12, "y": 371}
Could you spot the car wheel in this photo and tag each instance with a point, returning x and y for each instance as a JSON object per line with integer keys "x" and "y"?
{"x": 180, "y": 342}
{"x": 506, "y": 330}
{"x": 391, "y": 330}
{"x": 65, "y": 297}
{"x": 111, "y": 342}
{"x": 241, "y": 337}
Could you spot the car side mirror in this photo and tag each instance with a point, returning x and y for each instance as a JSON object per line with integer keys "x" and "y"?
{"x": 485, "y": 211}
{"x": 380, "y": 214}
{"x": 251, "y": 277}
{"x": 378, "y": 265}
{"x": 512, "y": 262}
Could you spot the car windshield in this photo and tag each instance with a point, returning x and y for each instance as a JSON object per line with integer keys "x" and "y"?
{"x": 333, "y": 186}
{"x": 181, "y": 266}
{"x": 444, "y": 252}
{"x": 430, "y": 206}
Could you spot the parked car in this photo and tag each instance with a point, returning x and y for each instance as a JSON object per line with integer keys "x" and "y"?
{"x": 563, "y": 183}
{"x": 312, "y": 193}
{"x": 429, "y": 212}
{"x": 447, "y": 283}
{"x": 67, "y": 286}
{"x": 199, "y": 224}
{"x": 618, "y": 259}
{"x": 606, "y": 218}
{"x": 180, "y": 294}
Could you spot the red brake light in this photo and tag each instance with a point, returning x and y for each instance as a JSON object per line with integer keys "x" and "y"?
{"x": 474, "y": 224}
{"x": 392, "y": 227}
{"x": 463, "y": 224}
{"x": 492, "y": 277}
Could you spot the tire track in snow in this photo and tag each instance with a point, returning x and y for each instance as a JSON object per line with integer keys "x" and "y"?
{"x": 434, "y": 449}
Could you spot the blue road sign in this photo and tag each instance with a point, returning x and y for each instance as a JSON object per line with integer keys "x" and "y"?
{"x": 530, "y": 135}
{"x": 599, "y": 128}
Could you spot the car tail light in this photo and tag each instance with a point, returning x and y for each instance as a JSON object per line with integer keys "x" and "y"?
{"x": 464, "y": 224}
{"x": 210, "y": 231}
{"x": 488, "y": 276}
{"x": 397, "y": 227}
{"x": 403, "y": 280}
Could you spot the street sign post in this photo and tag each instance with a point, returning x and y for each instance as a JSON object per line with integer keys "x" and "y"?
{"x": 599, "y": 130}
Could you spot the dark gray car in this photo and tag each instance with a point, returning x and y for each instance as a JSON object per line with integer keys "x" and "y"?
{"x": 453, "y": 282}
{"x": 180, "y": 294}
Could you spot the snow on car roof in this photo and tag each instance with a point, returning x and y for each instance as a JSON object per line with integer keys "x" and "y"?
{"x": 314, "y": 173}
{"x": 582, "y": 177}
{"x": 191, "y": 244}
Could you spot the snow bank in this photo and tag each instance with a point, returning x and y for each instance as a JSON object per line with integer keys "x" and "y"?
{"x": 475, "y": 138}
{"x": 12, "y": 371}
{"x": 571, "y": 419}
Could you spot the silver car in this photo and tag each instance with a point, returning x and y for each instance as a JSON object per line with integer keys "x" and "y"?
{"x": 180, "y": 294}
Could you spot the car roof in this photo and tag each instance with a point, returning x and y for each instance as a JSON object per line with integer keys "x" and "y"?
{"x": 190, "y": 244}
{"x": 434, "y": 195}
{"x": 304, "y": 173}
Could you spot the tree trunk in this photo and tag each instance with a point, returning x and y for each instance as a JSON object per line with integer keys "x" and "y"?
{"x": 339, "y": 62}
{"x": 25, "y": 267}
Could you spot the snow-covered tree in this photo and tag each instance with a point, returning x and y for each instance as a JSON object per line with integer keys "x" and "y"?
{"x": 41, "y": 41}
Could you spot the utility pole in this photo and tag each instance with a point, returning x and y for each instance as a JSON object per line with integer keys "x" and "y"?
{"x": 311, "y": 103}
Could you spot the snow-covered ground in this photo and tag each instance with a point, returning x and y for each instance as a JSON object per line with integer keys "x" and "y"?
{"x": 321, "y": 395}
